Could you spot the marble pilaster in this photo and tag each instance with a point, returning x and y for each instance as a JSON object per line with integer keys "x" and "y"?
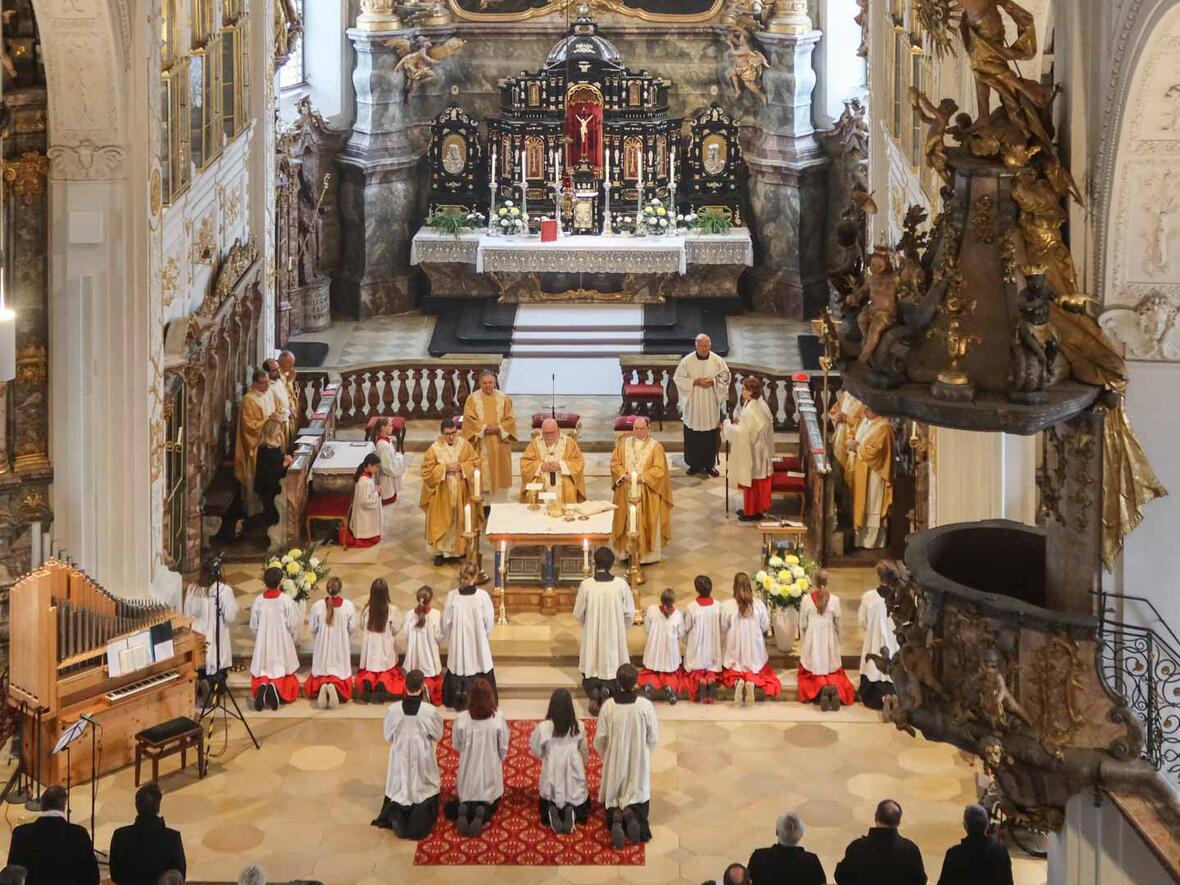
{"x": 788, "y": 184}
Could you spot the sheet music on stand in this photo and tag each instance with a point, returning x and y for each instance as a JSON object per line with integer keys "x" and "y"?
{"x": 70, "y": 735}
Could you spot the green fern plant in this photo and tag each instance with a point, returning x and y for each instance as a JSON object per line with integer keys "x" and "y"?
{"x": 713, "y": 221}
{"x": 453, "y": 223}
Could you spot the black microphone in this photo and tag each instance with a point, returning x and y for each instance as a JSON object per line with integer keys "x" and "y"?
{"x": 553, "y": 396}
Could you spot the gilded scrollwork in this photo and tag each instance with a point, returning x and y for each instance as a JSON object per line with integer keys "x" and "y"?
{"x": 26, "y": 176}
{"x": 1056, "y": 685}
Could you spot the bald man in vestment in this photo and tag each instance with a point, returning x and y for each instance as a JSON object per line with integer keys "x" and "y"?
{"x": 280, "y": 397}
{"x": 490, "y": 426}
{"x": 639, "y": 452}
{"x": 287, "y": 370}
{"x": 555, "y": 460}
{"x": 256, "y": 406}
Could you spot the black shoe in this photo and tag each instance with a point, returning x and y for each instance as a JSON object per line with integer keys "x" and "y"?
{"x": 364, "y": 694}
{"x": 647, "y": 692}
{"x": 753, "y": 517}
{"x": 477, "y": 821}
{"x": 259, "y": 699}
{"x": 272, "y": 697}
{"x": 382, "y": 695}
{"x": 438, "y": 560}
{"x": 631, "y": 824}
{"x": 555, "y": 821}
{"x": 692, "y": 471}
{"x": 380, "y": 823}
{"x": 398, "y": 826}
{"x": 462, "y": 821}
{"x": 617, "y": 838}
{"x": 670, "y": 694}
{"x": 712, "y": 471}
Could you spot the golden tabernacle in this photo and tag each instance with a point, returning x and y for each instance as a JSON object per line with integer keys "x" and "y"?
{"x": 76, "y": 650}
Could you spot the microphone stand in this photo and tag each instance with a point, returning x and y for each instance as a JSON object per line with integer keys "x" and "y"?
{"x": 99, "y": 854}
{"x": 553, "y": 396}
{"x": 219, "y": 688}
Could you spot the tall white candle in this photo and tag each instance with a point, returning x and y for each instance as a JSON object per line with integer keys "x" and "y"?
{"x": 586, "y": 554}
{"x": 634, "y": 484}
{"x": 467, "y": 518}
{"x": 632, "y": 520}
{"x": 478, "y": 485}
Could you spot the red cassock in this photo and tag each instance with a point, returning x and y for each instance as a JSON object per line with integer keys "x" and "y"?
{"x": 394, "y": 681}
{"x": 314, "y": 683}
{"x": 811, "y": 683}
{"x": 694, "y": 679}
{"x": 764, "y": 679}
{"x": 756, "y": 497}
{"x": 676, "y": 680}
{"x": 287, "y": 687}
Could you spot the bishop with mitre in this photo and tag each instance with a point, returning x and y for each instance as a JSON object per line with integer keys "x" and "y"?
{"x": 490, "y": 426}
{"x": 554, "y": 460}
{"x": 448, "y": 477}
{"x": 256, "y": 406}
{"x": 640, "y": 464}
{"x": 870, "y": 463}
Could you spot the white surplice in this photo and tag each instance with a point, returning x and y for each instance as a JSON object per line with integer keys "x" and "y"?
{"x": 281, "y": 399}
{"x": 745, "y": 638}
{"x": 276, "y": 624}
{"x": 422, "y": 642}
{"x": 873, "y": 534}
{"x": 819, "y": 652}
{"x": 202, "y": 608}
{"x": 701, "y": 406}
{"x": 563, "y": 764}
{"x": 379, "y": 650}
{"x": 661, "y": 653}
{"x": 393, "y": 465}
{"x": 702, "y": 637}
{"x": 331, "y": 649}
{"x": 605, "y": 609}
{"x": 751, "y": 452}
{"x": 482, "y": 746}
{"x": 627, "y": 733}
{"x": 873, "y": 618}
{"x": 412, "y": 776}
{"x": 467, "y": 622}
{"x": 365, "y": 518}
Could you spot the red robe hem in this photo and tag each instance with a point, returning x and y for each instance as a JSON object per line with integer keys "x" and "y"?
{"x": 434, "y": 687}
{"x": 314, "y": 683}
{"x": 756, "y": 497}
{"x": 286, "y": 686}
{"x": 694, "y": 679}
{"x": 811, "y": 683}
{"x": 349, "y": 540}
{"x": 659, "y": 681}
{"x": 764, "y": 679}
{"x": 390, "y": 500}
{"x": 394, "y": 681}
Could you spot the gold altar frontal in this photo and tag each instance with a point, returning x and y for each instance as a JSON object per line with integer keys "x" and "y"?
{"x": 540, "y": 559}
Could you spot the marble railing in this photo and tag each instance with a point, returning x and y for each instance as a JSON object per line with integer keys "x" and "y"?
{"x": 423, "y": 388}
{"x": 776, "y": 386}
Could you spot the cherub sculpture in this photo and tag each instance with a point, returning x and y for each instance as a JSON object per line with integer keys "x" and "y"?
{"x": 880, "y": 291}
{"x": 417, "y": 64}
{"x": 939, "y": 120}
{"x": 747, "y": 66}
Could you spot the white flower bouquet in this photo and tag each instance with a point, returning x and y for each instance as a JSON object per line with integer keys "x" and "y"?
{"x": 510, "y": 220}
{"x": 655, "y": 219}
{"x": 302, "y": 570}
{"x": 785, "y": 579}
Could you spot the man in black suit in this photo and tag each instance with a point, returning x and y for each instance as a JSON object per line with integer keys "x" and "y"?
{"x": 53, "y": 850}
{"x": 143, "y": 851}
{"x": 883, "y": 857}
{"x": 786, "y": 861}
{"x": 978, "y": 859}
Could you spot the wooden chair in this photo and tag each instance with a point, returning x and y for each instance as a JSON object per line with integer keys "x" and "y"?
{"x": 644, "y": 399}
{"x": 326, "y": 508}
{"x": 397, "y": 425}
{"x": 167, "y": 739}
{"x": 784, "y": 483}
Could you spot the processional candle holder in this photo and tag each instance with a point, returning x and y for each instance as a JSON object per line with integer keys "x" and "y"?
{"x": 474, "y": 554}
{"x": 502, "y": 615}
{"x": 634, "y": 567}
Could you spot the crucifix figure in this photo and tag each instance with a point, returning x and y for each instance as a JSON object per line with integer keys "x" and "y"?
{"x": 584, "y": 130}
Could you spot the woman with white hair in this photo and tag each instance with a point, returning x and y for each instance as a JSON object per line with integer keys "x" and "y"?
{"x": 786, "y": 861}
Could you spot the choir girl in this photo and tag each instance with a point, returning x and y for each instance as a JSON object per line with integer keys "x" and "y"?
{"x": 331, "y": 621}
{"x": 559, "y": 741}
{"x": 421, "y": 633}
{"x": 276, "y": 621}
{"x": 821, "y": 670}
{"x": 746, "y": 666}
{"x": 364, "y": 517}
{"x": 378, "y": 677}
{"x": 662, "y": 672}
{"x": 467, "y": 621}
{"x": 702, "y": 643}
{"x": 480, "y": 736}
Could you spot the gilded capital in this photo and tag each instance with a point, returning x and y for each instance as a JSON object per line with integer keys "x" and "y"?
{"x": 378, "y": 15}
{"x": 789, "y": 17}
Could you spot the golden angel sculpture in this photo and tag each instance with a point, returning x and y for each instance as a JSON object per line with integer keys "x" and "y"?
{"x": 418, "y": 63}
{"x": 747, "y": 66}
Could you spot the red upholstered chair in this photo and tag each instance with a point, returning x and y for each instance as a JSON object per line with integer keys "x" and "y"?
{"x": 782, "y": 483}
{"x": 398, "y": 426}
{"x": 325, "y": 508}
{"x": 565, "y": 421}
{"x": 644, "y": 399}
{"x": 787, "y": 463}
{"x": 625, "y": 423}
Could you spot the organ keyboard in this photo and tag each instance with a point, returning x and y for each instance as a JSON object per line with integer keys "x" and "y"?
{"x": 61, "y": 623}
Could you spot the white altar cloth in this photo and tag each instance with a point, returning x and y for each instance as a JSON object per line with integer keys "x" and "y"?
{"x": 340, "y": 457}
{"x": 515, "y": 519}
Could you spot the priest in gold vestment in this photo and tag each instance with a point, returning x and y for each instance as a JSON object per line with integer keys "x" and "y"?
{"x": 256, "y": 406}
{"x": 638, "y": 453}
{"x": 287, "y": 368}
{"x": 555, "y": 460}
{"x": 870, "y": 464}
{"x": 490, "y": 426}
{"x": 448, "y": 475}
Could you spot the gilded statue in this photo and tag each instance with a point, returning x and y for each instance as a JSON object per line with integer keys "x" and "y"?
{"x": 417, "y": 64}
{"x": 288, "y": 27}
{"x": 1035, "y": 343}
{"x": 877, "y": 300}
{"x": 747, "y": 65}
{"x": 938, "y": 118}
{"x": 1041, "y": 219}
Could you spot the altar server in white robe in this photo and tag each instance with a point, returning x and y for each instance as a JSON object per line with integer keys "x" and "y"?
{"x": 880, "y": 637}
{"x": 480, "y": 736}
{"x": 702, "y": 643}
{"x": 751, "y": 452}
{"x": 559, "y": 741}
{"x": 202, "y": 603}
{"x": 364, "y": 517}
{"x": 378, "y": 677}
{"x": 332, "y": 621}
{"x": 662, "y": 673}
{"x": 412, "y": 782}
{"x": 702, "y": 379}
{"x": 421, "y": 635}
{"x": 467, "y": 621}
{"x": 605, "y": 608}
{"x": 392, "y": 463}
{"x": 627, "y": 733}
{"x": 745, "y": 663}
{"x": 820, "y": 660}
{"x": 276, "y": 621}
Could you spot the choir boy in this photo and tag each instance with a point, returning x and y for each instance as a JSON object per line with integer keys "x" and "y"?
{"x": 702, "y": 643}
{"x": 276, "y": 622}
{"x": 627, "y": 733}
{"x": 605, "y": 608}
{"x": 412, "y": 782}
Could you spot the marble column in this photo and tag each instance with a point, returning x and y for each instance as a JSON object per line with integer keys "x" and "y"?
{"x": 788, "y": 179}
{"x": 381, "y": 194}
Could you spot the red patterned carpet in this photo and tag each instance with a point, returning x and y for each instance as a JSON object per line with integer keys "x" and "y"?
{"x": 515, "y": 836}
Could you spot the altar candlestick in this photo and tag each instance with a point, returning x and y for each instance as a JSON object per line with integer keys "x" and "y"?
{"x": 585, "y": 554}
{"x": 524, "y": 189}
{"x": 672, "y": 187}
{"x": 606, "y": 219}
{"x": 634, "y": 484}
{"x": 476, "y": 484}
{"x": 467, "y": 519}
{"x": 632, "y": 520}
{"x": 492, "y": 193}
{"x": 639, "y": 190}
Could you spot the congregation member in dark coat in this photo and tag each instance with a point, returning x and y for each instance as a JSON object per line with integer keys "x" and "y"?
{"x": 53, "y": 850}
{"x": 786, "y": 861}
{"x": 884, "y": 856}
{"x": 978, "y": 859}
{"x": 143, "y": 851}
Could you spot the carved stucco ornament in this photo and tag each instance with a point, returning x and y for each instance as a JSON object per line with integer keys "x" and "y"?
{"x": 26, "y": 176}
{"x": 85, "y": 160}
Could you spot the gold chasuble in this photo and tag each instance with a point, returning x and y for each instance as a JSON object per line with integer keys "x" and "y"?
{"x": 570, "y": 475}
{"x": 852, "y": 411}
{"x": 871, "y": 465}
{"x": 253, "y": 411}
{"x": 646, "y": 458}
{"x": 444, "y": 495}
{"x": 293, "y": 401}
{"x": 495, "y": 449}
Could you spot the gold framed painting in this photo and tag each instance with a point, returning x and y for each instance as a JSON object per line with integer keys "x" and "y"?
{"x": 671, "y": 11}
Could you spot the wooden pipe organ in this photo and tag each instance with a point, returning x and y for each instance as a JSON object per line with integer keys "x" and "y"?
{"x": 67, "y": 636}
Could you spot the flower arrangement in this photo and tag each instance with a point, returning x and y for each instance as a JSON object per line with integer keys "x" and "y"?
{"x": 785, "y": 579}
{"x": 510, "y": 220}
{"x": 302, "y": 570}
{"x": 709, "y": 221}
{"x": 655, "y": 219}
{"x": 454, "y": 223}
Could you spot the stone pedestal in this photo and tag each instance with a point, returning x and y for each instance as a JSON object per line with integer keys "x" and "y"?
{"x": 788, "y": 184}
{"x": 382, "y": 202}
